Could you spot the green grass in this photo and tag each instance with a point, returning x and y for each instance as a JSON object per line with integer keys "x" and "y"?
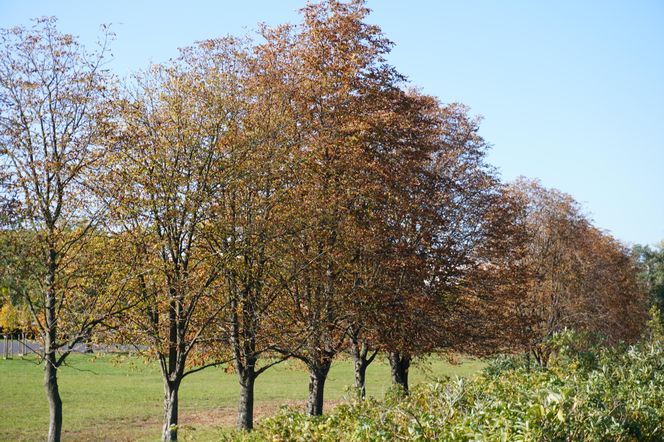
{"x": 120, "y": 398}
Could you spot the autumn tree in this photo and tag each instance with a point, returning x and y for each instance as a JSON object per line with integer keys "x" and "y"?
{"x": 582, "y": 278}
{"x": 483, "y": 318}
{"x": 454, "y": 217}
{"x": 385, "y": 265}
{"x": 173, "y": 159}
{"x": 250, "y": 227}
{"x": 52, "y": 117}
{"x": 343, "y": 89}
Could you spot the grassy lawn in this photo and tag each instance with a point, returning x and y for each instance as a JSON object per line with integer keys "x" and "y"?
{"x": 120, "y": 398}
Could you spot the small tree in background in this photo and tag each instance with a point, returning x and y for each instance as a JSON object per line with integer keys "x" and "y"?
{"x": 651, "y": 271}
{"x": 581, "y": 278}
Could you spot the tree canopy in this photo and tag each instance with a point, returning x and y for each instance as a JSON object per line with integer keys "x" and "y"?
{"x": 284, "y": 196}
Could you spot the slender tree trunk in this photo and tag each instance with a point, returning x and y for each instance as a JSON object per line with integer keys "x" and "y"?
{"x": 54, "y": 400}
{"x": 245, "y": 415}
{"x": 244, "y": 346}
{"x": 399, "y": 364}
{"x": 317, "y": 378}
{"x": 50, "y": 357}
{"x": 170, "y": 430}
{"x": 360, "y": 376}
{"x": 361, "y": 360}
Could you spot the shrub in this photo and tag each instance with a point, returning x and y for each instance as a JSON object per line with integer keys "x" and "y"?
{"x": 584, "y": 395}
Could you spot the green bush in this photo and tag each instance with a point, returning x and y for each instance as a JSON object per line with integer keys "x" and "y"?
{"x": 583, "y": 395}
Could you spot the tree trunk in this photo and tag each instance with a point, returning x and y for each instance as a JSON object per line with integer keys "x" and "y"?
{"x": 399, "y": 364}
{"x": 53, "y": 395}
{"x": 317, "y": 377}
{"x": 170, "y": 430}
{"x": 360, "y": 376}
{"x": 245, "y": 415}
{"x": 50, "y": 357}
{"x": 360, "y": 364}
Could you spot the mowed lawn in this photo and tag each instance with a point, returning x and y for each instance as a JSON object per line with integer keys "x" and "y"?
{"x": 120, "y": 398}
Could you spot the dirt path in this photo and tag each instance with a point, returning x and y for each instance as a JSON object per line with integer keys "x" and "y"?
{"x": 149, "y": 429}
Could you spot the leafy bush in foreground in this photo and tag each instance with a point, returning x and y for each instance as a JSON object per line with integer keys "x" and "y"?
{"x": 607, "y": 394}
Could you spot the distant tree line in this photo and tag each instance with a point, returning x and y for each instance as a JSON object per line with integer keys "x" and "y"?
{"x": 291, "y": 197}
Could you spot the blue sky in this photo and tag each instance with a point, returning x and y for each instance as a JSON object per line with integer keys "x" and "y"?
{"x": 572, "y": 92}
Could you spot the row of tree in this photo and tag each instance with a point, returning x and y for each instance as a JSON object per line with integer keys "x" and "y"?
{"x": 250, "y": 202}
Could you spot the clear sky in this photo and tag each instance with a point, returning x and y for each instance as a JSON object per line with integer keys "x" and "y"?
{"x": 572, "y": 92}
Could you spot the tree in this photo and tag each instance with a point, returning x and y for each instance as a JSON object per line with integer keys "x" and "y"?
{"x": 458, "y": 219}
{"x": 651, "y": 264}
{"x": 387, "y": 267}
{"x": 342, "y": 98}
{"x": 249, "y": 222}
{"x": 384, "y": 266}
{"x": 52, "y": 117}
{"x": 9, "y": 318}
{"x": 581, "y": 278}
{"x": 174, "y": 159}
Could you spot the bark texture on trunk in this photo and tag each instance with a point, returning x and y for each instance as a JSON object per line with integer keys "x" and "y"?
{"x": 399, "y": 365}
{"x": 362, "y": 357}
{"x": 317, "y": 378}
{"x": 170, "y": 430}
{"x": 360, "y": 376}
{"x": 50, "y": 357}
{"x": 245, "y": 414}
{"x": 54, "y": 400}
